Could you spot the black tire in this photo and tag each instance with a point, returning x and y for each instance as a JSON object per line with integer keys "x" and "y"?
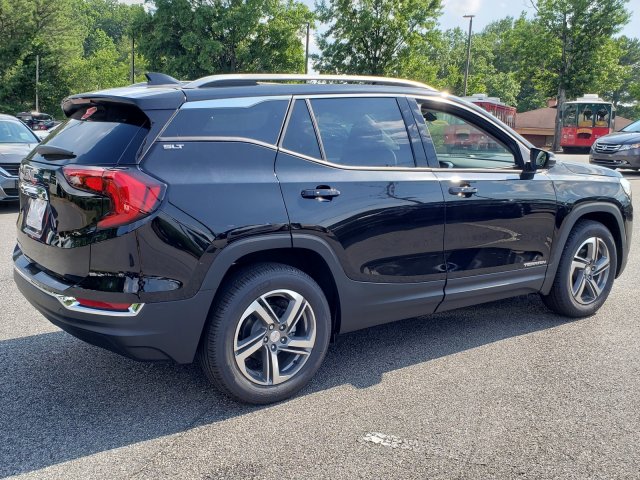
{"x": 561, "y": 298}
{"x": 218, "y": 352}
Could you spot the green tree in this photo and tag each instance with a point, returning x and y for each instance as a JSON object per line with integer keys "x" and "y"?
{"x": 578, "y": 29}
{"x": 621, "y": 83}
{"x": 376, "y": 37}
{"x": 81, "y": 45}
{"x": 192, "y": 38}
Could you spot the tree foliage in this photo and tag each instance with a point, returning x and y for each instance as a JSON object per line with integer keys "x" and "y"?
{"x": 81, "y": 44}
{"x": 192, "y": 38}
{"x": 578, "y": 30}
{"x": 375, "y": 37}
{"x": 568, "y": 47}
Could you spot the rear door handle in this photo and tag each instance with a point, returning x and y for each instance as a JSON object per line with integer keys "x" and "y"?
{"x": 465, "y": 191}
{"x": 320, "y": 193}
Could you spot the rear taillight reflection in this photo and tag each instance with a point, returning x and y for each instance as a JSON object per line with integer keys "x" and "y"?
{"x": 118, "y": 307}
{"x": 133, "y": 194}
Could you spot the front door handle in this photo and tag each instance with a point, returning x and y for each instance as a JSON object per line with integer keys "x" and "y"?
{"x": 464, "y": 191}
{"x": 322, "y": 193}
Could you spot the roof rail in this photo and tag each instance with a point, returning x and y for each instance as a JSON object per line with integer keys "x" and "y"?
{"x": 236, "y": 80}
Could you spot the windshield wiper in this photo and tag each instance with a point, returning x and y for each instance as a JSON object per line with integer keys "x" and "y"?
{"x": 49, "y": 152}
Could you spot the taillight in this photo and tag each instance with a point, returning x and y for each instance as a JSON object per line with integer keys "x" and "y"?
{"x": 133, "y": 194}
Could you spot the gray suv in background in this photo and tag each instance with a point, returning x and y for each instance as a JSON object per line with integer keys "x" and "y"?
{"x": 618, "y": 150}
{"x": 16, "y": 141}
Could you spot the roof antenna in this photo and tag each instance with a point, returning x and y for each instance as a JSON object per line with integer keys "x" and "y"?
{"x": 154, "y": 78}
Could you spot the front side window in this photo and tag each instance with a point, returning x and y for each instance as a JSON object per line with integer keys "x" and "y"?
{"x": 363, "y": 132}
{"x": 459, "y": 143}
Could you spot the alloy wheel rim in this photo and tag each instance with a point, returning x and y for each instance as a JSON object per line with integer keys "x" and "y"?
{"x": 589, "y": 271}
{"x": 274, "y": 337}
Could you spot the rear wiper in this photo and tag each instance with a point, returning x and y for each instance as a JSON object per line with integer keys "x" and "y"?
{"x": 49, "y": 152}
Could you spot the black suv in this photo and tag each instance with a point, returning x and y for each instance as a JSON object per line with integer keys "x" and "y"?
{"x": 245, "y": 220}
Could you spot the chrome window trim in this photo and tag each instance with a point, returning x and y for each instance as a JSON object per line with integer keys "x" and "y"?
{"x": 355, "y": 167}
{"x": 233, "y": 102}
{"x": 70, "y": 303}
{"x": 316, "y": 128}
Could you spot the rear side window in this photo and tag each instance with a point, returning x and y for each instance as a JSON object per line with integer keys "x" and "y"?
{"x": 301, "y": 136}
{"x": 366, "y": 132}
{"x": 255, "y": 118}
{"x": 104, "y": 134}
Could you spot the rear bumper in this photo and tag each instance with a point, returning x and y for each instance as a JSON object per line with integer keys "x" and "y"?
{"x": 158, "y": 331}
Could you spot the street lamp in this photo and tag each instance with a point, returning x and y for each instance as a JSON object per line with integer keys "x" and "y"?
{"x": 466, "y": 70}
{"x": 306, "y": 51}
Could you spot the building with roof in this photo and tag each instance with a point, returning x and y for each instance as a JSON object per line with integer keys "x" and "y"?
{"x": 537, "y": 125}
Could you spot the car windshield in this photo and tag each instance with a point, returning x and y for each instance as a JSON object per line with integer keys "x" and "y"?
{"x": 12, "y": 131}
{"x": 633, "y": 127}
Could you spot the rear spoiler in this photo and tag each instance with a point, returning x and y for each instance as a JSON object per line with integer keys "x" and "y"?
{"x": 141, "y": 96}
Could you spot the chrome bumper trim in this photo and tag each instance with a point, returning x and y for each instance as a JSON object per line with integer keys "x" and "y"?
{"x": 70, "y": 303}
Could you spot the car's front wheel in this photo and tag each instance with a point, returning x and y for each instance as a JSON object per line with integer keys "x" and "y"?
{"x": 586, "y": 271}
{"x": 267, "y": 333}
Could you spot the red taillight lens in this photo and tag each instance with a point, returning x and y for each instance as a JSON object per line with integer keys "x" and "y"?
{"x": 121, "y": 307}
{"x": 133, "y": 194}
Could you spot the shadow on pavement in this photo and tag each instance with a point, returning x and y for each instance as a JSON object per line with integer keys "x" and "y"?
{"x": 63, "y": 399}
{"x": 9, "y": 207}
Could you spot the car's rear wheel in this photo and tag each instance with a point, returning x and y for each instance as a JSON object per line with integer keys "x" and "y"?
{"x": 586, "y": 271}
{"x": 267, "y": 334}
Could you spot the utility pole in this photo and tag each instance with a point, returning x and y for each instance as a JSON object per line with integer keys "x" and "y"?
{"x": 466, "y": 70}
{"x": 306, "y": 51}
{"x": 37, "y": 82}
{"x": 133, "y": 59}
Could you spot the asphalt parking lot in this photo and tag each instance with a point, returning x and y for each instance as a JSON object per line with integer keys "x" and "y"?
{"x": 503, "y": 390}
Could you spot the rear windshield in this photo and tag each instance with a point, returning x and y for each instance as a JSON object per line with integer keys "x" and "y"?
{"x": 104, "y": 134}
{"x": 255, "y": 118}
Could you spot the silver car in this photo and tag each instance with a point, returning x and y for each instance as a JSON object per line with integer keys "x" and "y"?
{"x": 618, "y": 150}
{"x": 16, "y": 141}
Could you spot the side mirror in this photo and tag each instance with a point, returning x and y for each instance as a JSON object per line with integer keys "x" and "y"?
{"x": 539, "y": 158}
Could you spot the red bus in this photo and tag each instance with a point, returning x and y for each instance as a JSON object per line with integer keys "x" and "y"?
{"x": 495, "y": 107}
{"x": 460, "y": 135}
{"x": 584, "y": 121}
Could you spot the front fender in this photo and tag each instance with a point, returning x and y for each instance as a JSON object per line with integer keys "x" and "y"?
{"x": 578, "y": 212}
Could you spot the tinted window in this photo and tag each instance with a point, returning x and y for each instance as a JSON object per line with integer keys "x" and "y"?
{"x": 253, "y": 118}
{"x": 15, "y": 132}
{"x": 102, "y": 134}
{"x": 460, "y": 143}
{"x": 363, "y": 132}
{"x": 300, "y": 136}
{"x": 570, "y": 115}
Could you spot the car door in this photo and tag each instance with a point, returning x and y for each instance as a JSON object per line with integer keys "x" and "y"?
{"x": 500, "y": 219}
{"x": 347, "y": 170}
